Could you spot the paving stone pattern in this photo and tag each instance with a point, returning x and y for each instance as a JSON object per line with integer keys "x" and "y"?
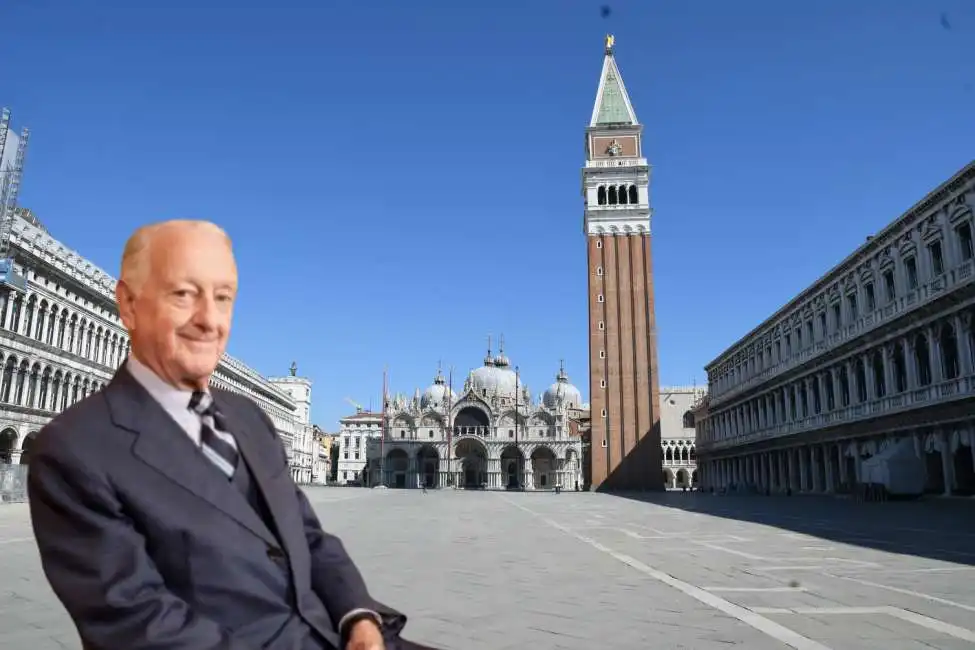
{"x": 492, "y": 571}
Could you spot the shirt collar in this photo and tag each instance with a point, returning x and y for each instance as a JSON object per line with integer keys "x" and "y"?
{"x": 169, "y": 397}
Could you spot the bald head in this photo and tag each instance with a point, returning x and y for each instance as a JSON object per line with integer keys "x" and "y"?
{"x": 175, "y": 295}
{"x": 137, "y": 256}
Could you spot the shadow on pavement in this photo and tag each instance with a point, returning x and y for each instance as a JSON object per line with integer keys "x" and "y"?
{"x": 938, "y": 529}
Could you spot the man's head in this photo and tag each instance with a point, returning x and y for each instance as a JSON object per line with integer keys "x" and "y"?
{"x": 176, "y": 297}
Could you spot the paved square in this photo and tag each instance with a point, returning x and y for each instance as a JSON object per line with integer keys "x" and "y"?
{"x": 491, "y": 571}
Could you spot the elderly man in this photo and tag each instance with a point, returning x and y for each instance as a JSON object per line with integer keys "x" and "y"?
{"x": 164, "y": 510}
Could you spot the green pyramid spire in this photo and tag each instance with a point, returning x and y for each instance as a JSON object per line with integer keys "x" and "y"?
{"x": 612, "y": 102}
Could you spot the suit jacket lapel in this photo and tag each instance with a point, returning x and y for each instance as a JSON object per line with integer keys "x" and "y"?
{"x": 164, "y": 446}
{"x": 278, "y": 493}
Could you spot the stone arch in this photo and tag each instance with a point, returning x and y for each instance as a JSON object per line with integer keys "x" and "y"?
{"x": 473, "y": 463}
{"x": 668, "y": 479}
{"x": 509, "y": 418}
{"x": 431, "y": 419}
{"x": 472, "y": 420}
{"x": 948, "y": 343}
{"x": 396, "y": 467}
{"x": 33, "y": 383}
{"x": 403, "y": 420}
{"x": 427, "y": 466}
{"x": 44, "y": 389}
{"x": 545, "y": 466}
{"x": 922, "y": 359}
{"x": 668, "y": 454}
{"x": 682, "y": 478}
{"x": 9, "y": 378}
{"x": 512, "y": 467}
{"x": 25, "y": 447}
{"x": 542, "y": 418}
{"x": 8, "y": 445}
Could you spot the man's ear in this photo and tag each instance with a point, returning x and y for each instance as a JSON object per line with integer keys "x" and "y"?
{"x": 124, "y": 297}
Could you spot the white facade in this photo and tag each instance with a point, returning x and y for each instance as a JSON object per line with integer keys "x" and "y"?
{"x": 62, "y": 340}
{"x": 616, "y": 178}
{"x": 866, "y": 377}
{"x": 304, "y": 446}
{"x": 355, "y": 433}
{"x": 678, "y": 435}
{"x": 491, "y": 436}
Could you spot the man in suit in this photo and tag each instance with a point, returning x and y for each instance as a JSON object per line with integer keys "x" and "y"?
{"x": 164, "y": 510}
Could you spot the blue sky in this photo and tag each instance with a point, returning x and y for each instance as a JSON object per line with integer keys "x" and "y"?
{"x": 402, "y": 179}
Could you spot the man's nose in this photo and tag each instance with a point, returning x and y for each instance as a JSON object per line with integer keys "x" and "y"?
{"x": 207, "y": 315}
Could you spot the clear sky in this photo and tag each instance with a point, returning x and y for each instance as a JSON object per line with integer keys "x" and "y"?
{"x": 402, "y": 178}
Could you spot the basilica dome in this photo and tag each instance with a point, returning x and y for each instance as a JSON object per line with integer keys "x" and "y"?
{"x": 496, "y": 377}
{"x": 436, "y": 395}
{"x": 562, "y": 391}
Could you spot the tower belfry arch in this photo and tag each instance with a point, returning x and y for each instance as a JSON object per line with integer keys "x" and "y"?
{"x": 623, "y": 382}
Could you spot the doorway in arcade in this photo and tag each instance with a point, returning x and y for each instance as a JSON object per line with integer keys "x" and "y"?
{"x": 472, "y": 459}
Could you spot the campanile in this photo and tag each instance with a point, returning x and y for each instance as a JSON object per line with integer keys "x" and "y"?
{"x": 623, "y": 384}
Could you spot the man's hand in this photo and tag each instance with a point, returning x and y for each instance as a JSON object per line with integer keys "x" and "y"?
{"x": 365, "y": 635}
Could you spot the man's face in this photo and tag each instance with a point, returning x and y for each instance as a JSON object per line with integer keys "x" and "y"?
{"x": 180, "y": 319}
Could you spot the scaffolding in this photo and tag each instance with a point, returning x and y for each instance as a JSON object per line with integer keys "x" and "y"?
{"x": 11, "y": 172}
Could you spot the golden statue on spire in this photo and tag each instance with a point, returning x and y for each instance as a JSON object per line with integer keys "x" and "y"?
{"x": 610, "y": 40}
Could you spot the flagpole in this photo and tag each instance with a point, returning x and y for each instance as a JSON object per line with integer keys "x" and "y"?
{"x": 521, "y": 464}
{"x": 382, "y": 438}
{"x": 450, "y": 428}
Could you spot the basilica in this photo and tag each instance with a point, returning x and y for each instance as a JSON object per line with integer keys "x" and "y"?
{"x": 490, "y": 436}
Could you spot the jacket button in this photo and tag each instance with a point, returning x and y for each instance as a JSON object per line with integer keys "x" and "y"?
{"x": 275, "y": 553}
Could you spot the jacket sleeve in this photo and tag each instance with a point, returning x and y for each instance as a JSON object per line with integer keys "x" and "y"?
{"x": 96, "y": 562}
{"x": 334, "y": 576}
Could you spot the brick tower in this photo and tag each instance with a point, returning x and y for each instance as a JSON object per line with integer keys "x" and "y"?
{"x": 623, "y": 383}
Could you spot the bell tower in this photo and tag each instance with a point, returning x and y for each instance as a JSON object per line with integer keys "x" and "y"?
{"x": 623, "y": 384}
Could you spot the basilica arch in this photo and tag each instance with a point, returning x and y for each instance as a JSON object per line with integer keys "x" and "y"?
{"x": 397, "y": 468}
{"x": 427, "y": 466}
{"x": 472, "y": 420}
{"x": 512, "y": 467}
{"x": 472, "y": 460}
{"x": 544, "y": 468}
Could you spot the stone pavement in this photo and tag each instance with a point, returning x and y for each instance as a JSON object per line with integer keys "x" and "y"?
{"x": 492, "y": 571}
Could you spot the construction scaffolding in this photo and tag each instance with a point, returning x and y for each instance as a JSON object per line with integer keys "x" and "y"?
{"x": 13, "y": 150}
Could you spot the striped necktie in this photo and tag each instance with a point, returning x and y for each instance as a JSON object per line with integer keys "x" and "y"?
{"x": 215, "y": 441}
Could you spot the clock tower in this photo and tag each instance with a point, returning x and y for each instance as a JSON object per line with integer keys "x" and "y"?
{"x": 623, "y": 383}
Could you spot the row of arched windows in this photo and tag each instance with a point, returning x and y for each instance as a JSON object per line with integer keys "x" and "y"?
{"x": 49, "y": 389}
{"x": 48, "y": 323}
{"x": 617, "y": 195}
{"x": 679, "y": 454}
{"x": 916, "y": 361}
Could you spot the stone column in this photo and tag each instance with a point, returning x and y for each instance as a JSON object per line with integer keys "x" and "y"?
{"x": 910, "y": 362}
{"x": 8, "y": 317}
{"x": 828, "y": 470}
{"x": 963, "y": 328}
{"x": 934, "y": 354}
{"x": 947, "y": 466}
{"x": 868, "y": 376}
{"x": 783, "y": 481}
